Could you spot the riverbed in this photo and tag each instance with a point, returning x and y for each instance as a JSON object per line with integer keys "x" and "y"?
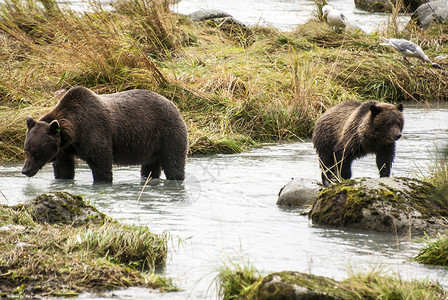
{"x": 226, "y": 211}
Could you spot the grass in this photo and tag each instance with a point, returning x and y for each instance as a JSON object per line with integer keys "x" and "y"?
{"x": 63, "y": 260}
{"x": 244, "y": 282}
{"x": 234, "y": 90}
{"x": 376, "y": 285}
{"x": 234, "y": 279}
{"x": 435, "y": 252}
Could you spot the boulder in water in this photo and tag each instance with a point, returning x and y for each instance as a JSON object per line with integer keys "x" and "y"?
{"x": 395, "y": 205}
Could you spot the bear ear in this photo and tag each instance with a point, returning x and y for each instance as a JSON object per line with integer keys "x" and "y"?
{"x": 30, "y": 122}
{"x": 375, "y": 109}
{"x": 400, "y": 106}
{"x": 54, "y": 127}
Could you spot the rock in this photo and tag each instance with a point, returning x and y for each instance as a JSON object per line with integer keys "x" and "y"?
{"x": 298, "y": 192}
{"x": 300, "y": 286}
{"x": 395, "y": 205}
{"x": 63, "y": 208}
{"x": 208, "y": 14}
{"x": 385, "y": 6}
{"x": 428, "y": 13}
{"x": 296, "y": 285}
{"x": 225, "y": 22}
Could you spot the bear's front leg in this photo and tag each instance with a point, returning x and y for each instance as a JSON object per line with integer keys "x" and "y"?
{"x": 64, "y": 165}
{"x": 384, "y": 158}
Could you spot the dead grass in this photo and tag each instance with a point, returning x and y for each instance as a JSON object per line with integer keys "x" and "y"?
{"x": 233, "y": 90}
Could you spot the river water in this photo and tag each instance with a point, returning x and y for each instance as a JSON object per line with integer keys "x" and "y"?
{"x": 282, "y": 14}
{"x": 226, "y": 211}
{"x": 286, "y": 14}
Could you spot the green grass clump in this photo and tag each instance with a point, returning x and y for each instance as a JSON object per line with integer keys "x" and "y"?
{"x": 234, "y": 280}
{"x": 435, "y": 252}
{"x": 63, "y": 260}
{"x": 132, "y": 245}
{"x": 376, "y": 285}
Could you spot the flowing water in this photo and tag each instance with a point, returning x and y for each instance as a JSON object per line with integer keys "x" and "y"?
{"x": 286, "y": 14}
{"x": 226, "y": 211}
{"x": 282, "y": 14}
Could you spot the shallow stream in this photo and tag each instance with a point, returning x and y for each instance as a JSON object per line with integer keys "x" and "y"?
{"x": 286, "y": 14}
{"x": 226, "y": 211}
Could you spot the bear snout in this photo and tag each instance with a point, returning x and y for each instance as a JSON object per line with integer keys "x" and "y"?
{"x": 28, "y": 171}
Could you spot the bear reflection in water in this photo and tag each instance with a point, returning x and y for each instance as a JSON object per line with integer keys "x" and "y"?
{"x": 351, "y": 130}
{"x": 126, "y": 128}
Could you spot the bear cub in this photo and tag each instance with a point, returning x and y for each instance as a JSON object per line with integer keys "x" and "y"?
{"x": 351, "y": 130}
{"x": 126, "y": 128}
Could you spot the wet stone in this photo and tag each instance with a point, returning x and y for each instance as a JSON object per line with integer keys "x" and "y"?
{"x": 298, "y": 192}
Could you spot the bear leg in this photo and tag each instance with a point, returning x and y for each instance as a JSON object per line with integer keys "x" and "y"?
{"x": 101, "y": 171}
{"x": 384, "y": 159}
{"x": 330, "y": 168}
{"x": 346, "y": 168}
{"x": 64, "y": 165}
{"x": 174, "y": 169}
{"x": 151, "y": 169}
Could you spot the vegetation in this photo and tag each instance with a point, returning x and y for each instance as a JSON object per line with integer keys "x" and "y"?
{"x": 286, "y": 285}
{"x": 234, "y": 88}
{"x": 235, "y": 279}
{"x": 66, "y": 260}
{"x": 435, "y": 252}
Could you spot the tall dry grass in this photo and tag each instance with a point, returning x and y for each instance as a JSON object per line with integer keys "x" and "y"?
{"x": 232, "y": 93}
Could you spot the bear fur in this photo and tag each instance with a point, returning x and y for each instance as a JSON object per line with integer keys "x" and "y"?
{"x": 126, "y": 128}
{"x": 351, "y": 130}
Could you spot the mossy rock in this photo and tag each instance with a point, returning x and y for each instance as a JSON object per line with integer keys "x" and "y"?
{"x": 396, "y": 205}
{"x": 295, "y": 285}
{"x": 63, "y": 208}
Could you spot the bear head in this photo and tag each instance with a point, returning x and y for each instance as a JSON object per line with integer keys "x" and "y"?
{"x": 41, "y": 145}
{"x": 387, "y": 122}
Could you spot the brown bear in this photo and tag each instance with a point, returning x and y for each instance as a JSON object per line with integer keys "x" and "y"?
{"x": 351, "y": 130}
{"x": 126, "y": 128}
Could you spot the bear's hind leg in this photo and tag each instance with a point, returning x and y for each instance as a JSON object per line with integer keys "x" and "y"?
{"x": 174, "y": 169}
{"x": 329, "y": 170}
{"x": 151, "y": 169}
{"x": 346, "y": 168}
{"x": 101, "y": 170}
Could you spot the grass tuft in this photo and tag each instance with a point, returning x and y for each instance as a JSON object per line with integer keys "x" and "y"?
{"x": 435, "y": 251}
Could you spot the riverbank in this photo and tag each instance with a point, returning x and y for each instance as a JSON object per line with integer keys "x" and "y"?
{"x": 234, "y": 90}
{"x": 59, "y": 245}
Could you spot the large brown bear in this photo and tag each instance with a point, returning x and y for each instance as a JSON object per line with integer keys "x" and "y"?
{"x": 131, "y": 127}
{"x": 351, "y": 130}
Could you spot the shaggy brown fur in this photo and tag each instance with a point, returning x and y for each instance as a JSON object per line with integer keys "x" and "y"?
{"x": 132, "y": 127}
{"x": 351, "y": 130}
